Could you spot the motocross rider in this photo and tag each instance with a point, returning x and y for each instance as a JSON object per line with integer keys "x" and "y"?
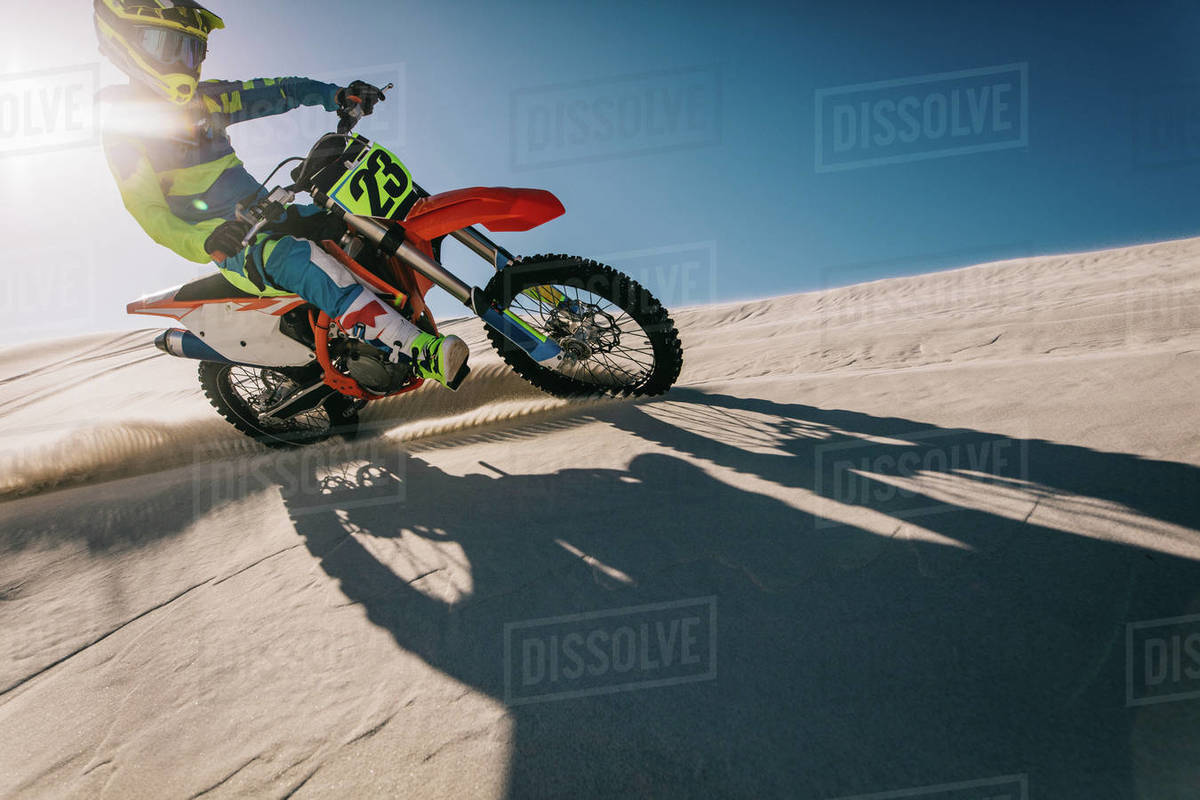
{"x": 181, "y": 180}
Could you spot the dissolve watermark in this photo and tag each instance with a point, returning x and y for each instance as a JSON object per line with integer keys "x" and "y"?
{"x": 1007, "y": 787}
{"x": 625, "y": 116}
{"x": 1162, "y": 660}
{"x": 334, "y": 475}
{"x": 939, "y": 293}
{"x": 1166, "y": 126}
{"x": 269, "y": 137}
{"x": 678, "y": 275}
{"x": 282, "y": 653}
{"x": 48, "y": 290}
{"x": 865, "y": 473}
{"x": 921, "y": 117}
{"x": 617, "y": 650}
{"x": 49, "y": 109}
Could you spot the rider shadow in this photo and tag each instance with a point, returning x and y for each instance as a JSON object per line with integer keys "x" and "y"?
{"x": 927, "y": 626}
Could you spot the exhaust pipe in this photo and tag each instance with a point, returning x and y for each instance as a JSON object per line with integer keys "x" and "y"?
{"x": 185, "y": 344}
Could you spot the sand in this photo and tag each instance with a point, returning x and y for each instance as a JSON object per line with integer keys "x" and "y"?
{"x": 888, "y": 537}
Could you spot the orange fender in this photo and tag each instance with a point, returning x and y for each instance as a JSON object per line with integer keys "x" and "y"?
{"x": 496, "y": 208}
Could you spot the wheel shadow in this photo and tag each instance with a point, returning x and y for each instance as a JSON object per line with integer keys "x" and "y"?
{"x": 923, "y": 605}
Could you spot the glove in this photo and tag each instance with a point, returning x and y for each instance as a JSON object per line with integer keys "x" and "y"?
{"x": 324, "y": 226}
{"x": 226, "y": 240}
{"x": 367, "y": 94}
{"x": 315, "y": 227}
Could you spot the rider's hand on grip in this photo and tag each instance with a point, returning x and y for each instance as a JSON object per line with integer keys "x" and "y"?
{"x": 355, "y": 102}
{"x": 226, "y": 240}
{"x": 360, "y": 93}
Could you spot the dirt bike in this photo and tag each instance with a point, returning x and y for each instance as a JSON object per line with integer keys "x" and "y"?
{"x": 283, "y": 372}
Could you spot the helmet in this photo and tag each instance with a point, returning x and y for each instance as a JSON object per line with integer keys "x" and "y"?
{"x": 159, "y": 42}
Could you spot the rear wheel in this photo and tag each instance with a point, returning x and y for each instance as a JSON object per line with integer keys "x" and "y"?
{"x": 616, "y": 337}
{"x": 240, "y": 393}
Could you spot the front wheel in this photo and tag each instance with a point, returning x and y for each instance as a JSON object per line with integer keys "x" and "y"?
{"x": 616, "y": 337}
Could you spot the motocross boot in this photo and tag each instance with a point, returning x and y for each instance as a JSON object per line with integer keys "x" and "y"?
{"x": 440, "y": 358}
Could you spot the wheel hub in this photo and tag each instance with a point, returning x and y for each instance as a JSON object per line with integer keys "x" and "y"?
{"x": 575, "y": 348}
{"x": 275, "y": 388}
{"x": 583, "y": 329}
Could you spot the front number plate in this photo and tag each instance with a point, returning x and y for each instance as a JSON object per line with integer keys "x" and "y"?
{"x": 378, "y": 186}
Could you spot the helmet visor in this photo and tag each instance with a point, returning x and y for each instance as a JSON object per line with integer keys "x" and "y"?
{"x": 172, "y": 50}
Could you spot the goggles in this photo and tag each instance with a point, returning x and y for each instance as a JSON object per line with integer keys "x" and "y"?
{"x": 171, "y": 49}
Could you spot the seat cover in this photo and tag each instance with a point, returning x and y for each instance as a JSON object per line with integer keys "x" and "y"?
{"x": 211, "y": 287}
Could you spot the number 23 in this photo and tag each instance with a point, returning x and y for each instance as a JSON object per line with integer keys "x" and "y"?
{"x": 366, "y": 180}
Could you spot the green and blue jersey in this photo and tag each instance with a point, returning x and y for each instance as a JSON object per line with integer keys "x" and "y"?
{"x": 182, "y": 179}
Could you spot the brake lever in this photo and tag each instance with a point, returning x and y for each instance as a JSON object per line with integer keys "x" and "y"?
{"x": 264, "y": 212}
{"x": 253, "y": 232}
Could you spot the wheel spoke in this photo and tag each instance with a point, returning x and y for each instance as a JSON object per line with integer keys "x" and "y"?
{"x": 616, "y": 351}
{"x": 251, "y": 386}
{"x": 580, "y": 306}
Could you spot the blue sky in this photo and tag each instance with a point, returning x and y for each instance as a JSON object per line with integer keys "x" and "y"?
{"x": 681, "y": 136}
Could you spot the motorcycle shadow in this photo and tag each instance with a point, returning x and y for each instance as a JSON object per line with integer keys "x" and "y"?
{"x": 868, "y": 604}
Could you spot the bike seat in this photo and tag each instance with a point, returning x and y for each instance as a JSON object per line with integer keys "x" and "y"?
{"x": 211, "y": 287}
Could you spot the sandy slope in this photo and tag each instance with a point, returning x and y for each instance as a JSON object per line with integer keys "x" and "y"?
{"x": 183, "y": 614}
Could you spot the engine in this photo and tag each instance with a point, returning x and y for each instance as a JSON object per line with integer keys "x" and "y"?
{"x": 369, "y": 366}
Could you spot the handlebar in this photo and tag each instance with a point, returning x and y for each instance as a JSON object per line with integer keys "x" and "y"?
{"x": 259, "y": 215}
{"x": 267, "y": 210}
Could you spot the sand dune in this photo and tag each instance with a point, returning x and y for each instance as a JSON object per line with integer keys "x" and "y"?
{"x": 920, "y": 513}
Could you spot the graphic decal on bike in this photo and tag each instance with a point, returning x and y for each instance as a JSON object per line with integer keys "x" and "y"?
{"x": 167, "y": 306}
{"x": 378, "y": 186}
{"x": 532, "y": 331}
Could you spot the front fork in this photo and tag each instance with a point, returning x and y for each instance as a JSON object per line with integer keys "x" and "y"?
{"x": 390, "y": 239}
{"x": 484, "y": 247}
